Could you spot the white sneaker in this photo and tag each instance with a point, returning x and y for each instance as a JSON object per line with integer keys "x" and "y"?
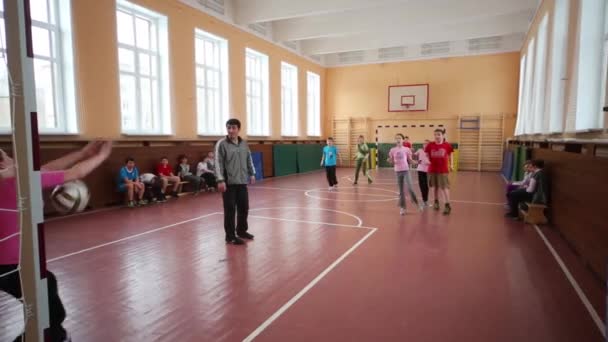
{"x": 331, "y": 188}
{"x": 421, "y": 207}
{"x": 402, "y": 211}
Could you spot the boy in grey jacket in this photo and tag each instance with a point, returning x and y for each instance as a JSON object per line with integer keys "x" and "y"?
{"x": 233, "y": 171}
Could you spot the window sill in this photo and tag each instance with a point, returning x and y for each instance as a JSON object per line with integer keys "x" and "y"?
{"x": 54, "y": 134}
{"x": 147, "y": 134}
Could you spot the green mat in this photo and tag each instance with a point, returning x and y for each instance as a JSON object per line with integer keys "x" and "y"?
{"x": 520, "y": 157}
{"x": 309, "y": 157}
{"x": 285, "y": 158}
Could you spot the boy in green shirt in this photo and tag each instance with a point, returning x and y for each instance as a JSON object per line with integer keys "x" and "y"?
{"x": 362, "y": 153}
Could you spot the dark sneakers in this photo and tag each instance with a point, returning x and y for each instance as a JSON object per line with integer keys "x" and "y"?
{"x": 245, "y": 235}
{"x": 234, "y": 241}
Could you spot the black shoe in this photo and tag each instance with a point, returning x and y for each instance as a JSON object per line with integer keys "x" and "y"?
{"x": 245, "y": 235}
{"x": 511, "y": 215}
{"x": 234, "y": 241}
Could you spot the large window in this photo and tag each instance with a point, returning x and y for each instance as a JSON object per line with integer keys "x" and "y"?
{"x": 256, "y": 83}
{"x": 289, "y": 100}
{"x": 520, "y": 107}
{"x": 211, "y": 83}
{"x": 526, "y": 114}
{"x": 540, "y": 79}
{"x": 53, "y": 68}
{"x": 313, "y": 104}
{"x": 559, "y": 51}
{"x": 144, "y": 70}
{"x": 589, "y": 114}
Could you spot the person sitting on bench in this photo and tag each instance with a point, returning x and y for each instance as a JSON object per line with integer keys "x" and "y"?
{"x": 163, "y": 170}
{"x": 183, "y": 170}
{"x": 535, "y": 192}
{"x": 206, "y": 170}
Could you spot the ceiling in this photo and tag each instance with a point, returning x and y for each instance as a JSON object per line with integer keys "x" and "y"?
{"x": 344, "y": 32}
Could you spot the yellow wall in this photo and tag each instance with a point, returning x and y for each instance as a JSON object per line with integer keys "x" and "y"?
{"x": 97, "y": 68}
{"x": 458, "y": 86}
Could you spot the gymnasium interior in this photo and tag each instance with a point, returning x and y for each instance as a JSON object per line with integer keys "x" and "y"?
{"x": 509, "y": 82}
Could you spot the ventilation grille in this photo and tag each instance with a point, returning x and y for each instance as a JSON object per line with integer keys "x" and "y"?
{"x": 259, "y": 28}
{"x": 435, "y": 48}
{"x": 351, "y": 57}
{"x": 487, "y": 43}
{"x": 391, "y": 53}
{"x": 216, "y": 6}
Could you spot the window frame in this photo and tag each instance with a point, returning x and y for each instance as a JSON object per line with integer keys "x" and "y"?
{"x": 289, "y": 87}
{"x": 58, "y": 29}
{"x": 313, "y": 104}
{"x": 158, "y": 33}
{"x": 258, "y": 124}
{"x": 216, "y": 124}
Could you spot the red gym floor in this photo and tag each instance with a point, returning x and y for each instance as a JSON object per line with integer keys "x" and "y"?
{"x": 325, "y": 266}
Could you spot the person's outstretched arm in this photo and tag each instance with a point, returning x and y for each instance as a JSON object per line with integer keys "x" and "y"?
{"x": 69, "y": 160}
{"x": 83, "y": 168}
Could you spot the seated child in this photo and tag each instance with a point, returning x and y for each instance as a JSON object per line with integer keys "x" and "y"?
{"x": 163, "y": 170}
{"x": 524, "y": 182}
{"x": 153, "y": 188}
{"x": 128, "y": 183}
{"x": 183, "y": 170}
{"x": 535, "y": 192}
{"x": 206, "y": 170}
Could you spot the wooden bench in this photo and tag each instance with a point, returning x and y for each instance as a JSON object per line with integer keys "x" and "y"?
{"x": 534, "y": 215}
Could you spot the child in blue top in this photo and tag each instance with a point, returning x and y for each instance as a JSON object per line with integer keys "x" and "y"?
{"x": 329, "y": 160}
{"x": 128, "y": 181}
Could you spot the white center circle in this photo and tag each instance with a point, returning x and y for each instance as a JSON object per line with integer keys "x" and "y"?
{"x": 334, "y": 195}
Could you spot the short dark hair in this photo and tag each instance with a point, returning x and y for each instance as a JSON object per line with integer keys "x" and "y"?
{"x": 330, "y": 138}
{"x": 164, "y": 157}
{"x": 401, "y": 135}
{"x": 361, "y": 136}
{"x": 181, "y": 157}
{"x": 440, "y": 130}
{"x": 538, "y": 163}
{"x": 233, "y": 122}
{"x": 406, "y": 137}
{"x": 128, "y": 159}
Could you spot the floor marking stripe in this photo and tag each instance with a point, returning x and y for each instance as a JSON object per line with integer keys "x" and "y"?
{"x": 307, "y": 288}
{"x": 581, "y": 295}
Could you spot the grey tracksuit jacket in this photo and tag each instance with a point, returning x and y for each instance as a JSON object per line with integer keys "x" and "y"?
{"x": 233, "y": 163}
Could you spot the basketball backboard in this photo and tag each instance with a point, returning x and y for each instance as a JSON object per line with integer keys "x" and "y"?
{"x": 408, "y": 98}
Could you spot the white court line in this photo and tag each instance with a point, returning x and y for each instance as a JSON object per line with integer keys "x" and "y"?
{"x": 581, "y": 295}
{"x": 10, "y": 237}
{"x": 307, "y": 288}
{"x": 339, "y": 191}
{"x": 473, "y": 202}
{"x": 276, "y": 188}
{"x": 129, "y": 237}
{"x": 359, "y": 224}
{"x": 10, "y": 210}
{"x": 308, "y": 194}
{"x": 311, "y": 222}
{"x": 88, "y": 212}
